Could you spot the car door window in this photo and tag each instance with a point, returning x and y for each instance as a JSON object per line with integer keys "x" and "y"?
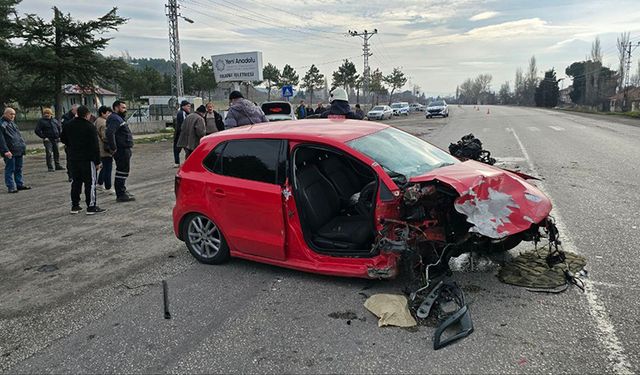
{"x": 254, "y": 159}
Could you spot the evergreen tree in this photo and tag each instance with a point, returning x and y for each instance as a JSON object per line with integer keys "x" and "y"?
{"x": 548, "y": 92}
{"x": 289, "y": 76}
{"x": 395, "y": 80}
{"x": 65, "y": 50}
{"x": 312, "y": 80}
{"x": 345, "y": 76}
{"x": 271, "y": 76}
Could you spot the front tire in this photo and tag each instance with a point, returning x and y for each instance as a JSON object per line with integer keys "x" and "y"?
{"x": 205, "y": 240}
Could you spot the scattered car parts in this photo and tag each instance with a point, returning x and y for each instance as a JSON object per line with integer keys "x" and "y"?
{"x": 470, "y": 147}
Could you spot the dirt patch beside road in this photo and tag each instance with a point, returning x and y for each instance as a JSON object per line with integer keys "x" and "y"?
{"x": 50, "y": 257}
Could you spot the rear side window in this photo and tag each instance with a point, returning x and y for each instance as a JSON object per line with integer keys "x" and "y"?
{"x": 251, "y": 159}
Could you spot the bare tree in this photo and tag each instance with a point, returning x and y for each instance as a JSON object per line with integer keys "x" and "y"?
{"x": 596, "y": 50}
{"x": 621, "y": 43}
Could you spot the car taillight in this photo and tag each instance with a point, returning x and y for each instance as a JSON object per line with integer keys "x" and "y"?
{"x": 176, "y": 185}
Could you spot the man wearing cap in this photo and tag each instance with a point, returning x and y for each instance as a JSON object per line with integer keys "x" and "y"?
{"x": 12, "y": 148}
{"x": 193, "y": 129}
{"x": 185, "y": 108}
{"x": 49, "y": 129}
{"x": 340, "y": 108}
{"x": 242, "y": 112}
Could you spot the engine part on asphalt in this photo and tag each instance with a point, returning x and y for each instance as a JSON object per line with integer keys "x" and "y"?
{"x": 165, "y": 298}
{"x": 470, "y": 147}
{"x": 462, "y": 318}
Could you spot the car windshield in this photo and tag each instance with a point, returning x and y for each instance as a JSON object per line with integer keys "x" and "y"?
{"x": 377, "y": 108}
{"x": 436, "y": 104}
{"x": 401, "y": 153}
{"x": 396, "y": 105}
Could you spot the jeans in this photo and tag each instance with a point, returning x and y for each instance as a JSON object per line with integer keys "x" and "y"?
{"x": 83, "y": 172}
{"x": 104, "y": 178}
{"x": 51, "y": 148}
{"x": 123, "y": 160}
{"x": 13, "y": 172}
{"x": 176, "y": 151}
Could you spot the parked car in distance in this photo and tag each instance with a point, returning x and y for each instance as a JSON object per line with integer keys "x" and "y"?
{"x": 400, "y": 108}
{"x": 416, "y": 107}
{"x": 437, "y": 108}
{"x": 345, "y": 198}
{"x": 278, "y": 111}
{"x": 380, "y": 112}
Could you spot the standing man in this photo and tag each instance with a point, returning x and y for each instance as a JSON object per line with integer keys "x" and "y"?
{"x": 49, "y": 129}
{"x": 319, "y": 109}
{"x": 81, "y": 139}
{"x": 242, "y": 112}
{"x": 73, "y": 112}
{"x": 185, "y": 108}
{"x": 213, "y": 120}
{"x": 12, "y": 148}
{"x": 301, "y": 111}
{"x": 193, "y": 129}
{"x": 106, "y": 158}
{"x": 359, "y": 112}
{"x": 120, "y": 141}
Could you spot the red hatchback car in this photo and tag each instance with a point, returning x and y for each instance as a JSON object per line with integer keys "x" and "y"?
{"x": 347, "y": 198}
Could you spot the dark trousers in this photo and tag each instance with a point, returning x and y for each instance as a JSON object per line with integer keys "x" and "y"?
{"x": 83, "y": 173}
{"x": 104, "y": 177}
{"x": 53, "y": 154}
{"x": 123, "y": 160}
{"x": 187, "y": 152}
{"x": 176, "y": 151}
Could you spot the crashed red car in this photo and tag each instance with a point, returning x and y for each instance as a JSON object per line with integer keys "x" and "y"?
{"x": 347, "y": 198}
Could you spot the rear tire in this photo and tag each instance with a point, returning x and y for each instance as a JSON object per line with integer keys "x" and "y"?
{"x": 205, "y": 240}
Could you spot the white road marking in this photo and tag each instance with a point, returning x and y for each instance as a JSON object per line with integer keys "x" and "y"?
{"x": 607, "y": 336}
{"x": 579, "y": 126}
{"x": 533, "y": 129}
{"x": 509, "y": 159}
{"x": 557, "y": 128}
{"x": 485, "y": 130}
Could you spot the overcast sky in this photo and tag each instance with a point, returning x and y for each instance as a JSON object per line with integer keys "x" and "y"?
{"x": 437, "y": 43}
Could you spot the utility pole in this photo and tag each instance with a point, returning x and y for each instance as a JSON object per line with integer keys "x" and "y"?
{"x": 172, "y": 12}
{"x": 365, "y": 54}
{"x": 630, "y": 47}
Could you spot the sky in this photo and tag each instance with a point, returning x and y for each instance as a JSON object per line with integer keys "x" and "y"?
{"x": 436, "y": 43}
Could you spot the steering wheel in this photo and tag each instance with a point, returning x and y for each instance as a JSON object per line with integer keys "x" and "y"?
{"x": 366, "y": 199}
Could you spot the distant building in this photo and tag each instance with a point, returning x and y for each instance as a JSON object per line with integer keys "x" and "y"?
{"x": 633, "y": 96}
{"x": 91, "y": 97}
{"x": 564, "y": 98}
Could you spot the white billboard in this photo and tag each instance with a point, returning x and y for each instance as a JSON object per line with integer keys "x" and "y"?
{"x": 238, "y": 67}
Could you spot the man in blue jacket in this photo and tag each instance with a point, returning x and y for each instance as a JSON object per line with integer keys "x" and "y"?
{"x": 12, "y": 148}
{"x": 49, "y": 130}
{"x": 120, "y": 139}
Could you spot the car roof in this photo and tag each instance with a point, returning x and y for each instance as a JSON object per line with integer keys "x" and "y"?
{"x": 319, "y": 130}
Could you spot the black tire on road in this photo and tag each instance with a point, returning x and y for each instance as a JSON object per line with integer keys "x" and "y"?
{"x": 204, "y": 239}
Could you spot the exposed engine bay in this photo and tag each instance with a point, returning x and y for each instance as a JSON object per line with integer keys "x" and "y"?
{"x": 437, "y": 222}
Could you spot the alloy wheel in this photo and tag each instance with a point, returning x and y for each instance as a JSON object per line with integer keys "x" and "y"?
{"x": 204, "y": 236}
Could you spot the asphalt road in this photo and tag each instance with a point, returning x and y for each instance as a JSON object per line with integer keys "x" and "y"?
{"x": 101, "y": 310}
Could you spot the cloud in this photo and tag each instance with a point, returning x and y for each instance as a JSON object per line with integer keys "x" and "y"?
{"x": 484, "y": 16}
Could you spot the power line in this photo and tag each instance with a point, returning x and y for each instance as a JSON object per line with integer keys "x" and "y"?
{"x": 171, "y": 10}
{"x": 365, "y": 54}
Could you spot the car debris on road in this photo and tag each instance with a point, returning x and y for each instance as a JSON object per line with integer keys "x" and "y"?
{"x": 470, "y": 147}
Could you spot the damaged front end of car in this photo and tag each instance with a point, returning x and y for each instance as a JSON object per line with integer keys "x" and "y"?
{"x": 466, "y": 207}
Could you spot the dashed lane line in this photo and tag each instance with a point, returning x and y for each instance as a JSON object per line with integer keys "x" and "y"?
{"x": 533, "y": 129}
{"x": 557, "y": 128}
{"x": 608, "y": 337}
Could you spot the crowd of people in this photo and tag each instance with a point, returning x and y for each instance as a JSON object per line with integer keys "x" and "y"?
{"x": 92, "y": 144}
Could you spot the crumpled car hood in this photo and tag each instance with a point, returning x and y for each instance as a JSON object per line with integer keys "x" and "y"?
{"x": 498, "y": 203}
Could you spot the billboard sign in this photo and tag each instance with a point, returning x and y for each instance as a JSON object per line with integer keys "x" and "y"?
{"x": 238, "y": 67}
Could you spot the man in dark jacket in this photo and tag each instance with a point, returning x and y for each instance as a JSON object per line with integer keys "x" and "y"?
{"x": 49, "y": 129}
{"x": 340, "y": 108}
{"x": 67, "y": 117}
{"x": 185, "y": 108}
{"x": 12, "y": 148}
{"x": 193, "y": 129}
{"x": 81, "y": 139}
{"x": 301, "y": 111}
{"x": 120, "y": 140}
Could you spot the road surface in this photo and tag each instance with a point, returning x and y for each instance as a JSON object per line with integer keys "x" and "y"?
{"x": 101, "y": 309}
